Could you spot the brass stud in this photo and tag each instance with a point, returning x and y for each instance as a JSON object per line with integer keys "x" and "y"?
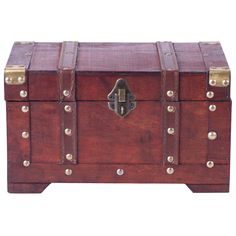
{"x": 170, "y": 93}
{"x": 210, "y": 94}
{"x": 212, "y": 82}
{"x": 170, "y": 159}
{"x": 68, "y": 131}
{"x": 210, "y": 164}
{"x": 119, "y": 171}
{"x": 170, "y": 170}
{"x": 25, "y": 134}
{"x": 171, "y": 109}
{"x": 212, "y": 107}
{"x": 69, "y": 157}
{"x": 21, "y": 79}
{"x": 68, "y": 172}
{"x": 8, "y": 80}
{"x": 67, "y": 108}
{"x": 212, "y": 135}
{"x": 23, "y": 93}
{"x": 225, "y": 83}
{"x": 171, "y": 131}
{"x": 66, "y": 93}
{"x": 24, "y": 109}
{"x": 26, "y": 163}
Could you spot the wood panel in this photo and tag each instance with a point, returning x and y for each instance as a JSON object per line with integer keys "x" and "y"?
{"x": 118, "y": 57}
{"x": 103, "y": 137}
{"x": 220, "y": 122}
{"x": 193, "y": 132}
{"x": 193, "y": 86}
{"x": 18, "y": 148}
{"x": 44, "y": 86}
{"x": 45, "y": 132}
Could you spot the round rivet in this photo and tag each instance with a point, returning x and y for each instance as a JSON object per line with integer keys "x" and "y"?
{"x": 25, "y": 134}
{"x": 66, "y": 93}
{"x": 212, "y": 82}
{"x": 212, "y": 135}
{"x": 68, "y": 108}
{"x": 24, "y": 109}
{"x": 21, "y": 79}
{"x": 170, "y": 171}
{"x": 171, "y": 109}
{"x": 68, "y": 172}
{"x": 119, "y": 171}
{"x": 23, "y": 93}
{"x": 210, "y": 164}
{"x": 8, "y": 80}
{"x": 68, "y": 132}
{"x": 69, "y": 157}
{"x": 225, "y": 83}
{"x": 170, "y": 93}
{"x": 212, "y": 107}
{"x": 210, "y": 94}
{"x": 170, "y": 159}
{"x": 26, "y": 163}
{"x": 170, "y": 130}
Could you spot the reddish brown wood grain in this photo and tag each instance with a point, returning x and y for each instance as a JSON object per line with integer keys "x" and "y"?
{"x": 220, "y": 122}
{"x": 193, "y": 132}
{"x": 96, "y": 86}
{"x": 45, "y": 132}
{"x": 43, "y": 86}
{"x": 103, "y": 137}
{"x": 18, "y": 149}
{"x": 106, "y": 173}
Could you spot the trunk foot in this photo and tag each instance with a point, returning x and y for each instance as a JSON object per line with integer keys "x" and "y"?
{"x": 209, "y": 188}
{"x": 27, "y": 187}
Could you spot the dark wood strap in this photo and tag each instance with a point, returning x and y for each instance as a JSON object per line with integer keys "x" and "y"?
{"x": 170, "y": 104}
{"x": 68, "y": 140}
{"x": 169, "y": 71}
{"x": 66, "y": 70}
{"x": 171, "y": 133}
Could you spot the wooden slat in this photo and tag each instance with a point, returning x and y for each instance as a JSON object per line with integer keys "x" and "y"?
{"x": 103, "y": 173}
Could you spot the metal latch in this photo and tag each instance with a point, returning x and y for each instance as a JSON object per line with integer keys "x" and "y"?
{"x": 121, "y": 100}
{"x": 14, "y": 75}
{"x": 219, "y": 76}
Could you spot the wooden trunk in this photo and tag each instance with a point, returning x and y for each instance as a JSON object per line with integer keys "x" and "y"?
{"x": 118, "y": 113}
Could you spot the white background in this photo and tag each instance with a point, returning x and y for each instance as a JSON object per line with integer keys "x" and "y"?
{"x": 121, "y": 209}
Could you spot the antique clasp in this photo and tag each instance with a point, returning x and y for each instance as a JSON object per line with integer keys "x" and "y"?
{"x": 121, "y": 100}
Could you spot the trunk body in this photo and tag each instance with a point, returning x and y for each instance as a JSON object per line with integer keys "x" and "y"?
{"x": 118, "y": 113}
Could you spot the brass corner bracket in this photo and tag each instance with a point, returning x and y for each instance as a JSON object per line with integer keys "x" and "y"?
{"x": 14, "y": 75}
{"x": 219, "y": 76}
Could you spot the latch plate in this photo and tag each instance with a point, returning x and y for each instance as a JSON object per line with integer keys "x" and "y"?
{"x": 219, "y": 76}
{"x": 15, "y": 75}
{"x": 121, "y": 100}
